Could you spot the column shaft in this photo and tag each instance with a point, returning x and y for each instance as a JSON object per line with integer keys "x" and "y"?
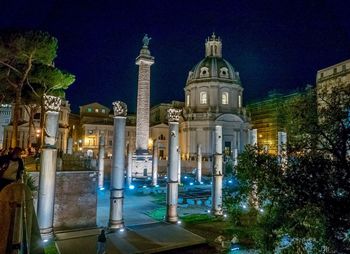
{"x": 47, "y": 180}
{"x": 172, "y": 184}
{"x": 101, "y": 161}
{"x": 199, "y": 164}
{"x": 155, "y": 164}
{"x": 217, "y": 174}
{"x": 117, "y": 174}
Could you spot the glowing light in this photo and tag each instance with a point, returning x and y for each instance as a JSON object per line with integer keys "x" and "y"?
{"x": 185, "y": 177}
{"x": 208, "y": 211}
{"x": 156, "y": 185}
{"x": 230, "y": 181}
{"x": 179, "y": 222}
{"x": 191, "y": 183}
{"x": 144, "y": 186}
{"x": 102, "y": 188}
{"x": 122, "y": 230}
{"x": 131, "y": 187}
{"x": 235, "y": 248}
{"x": 45, "y": 240}
{"x": 261, "y": 210}
{"x": 244, "y": 206}
{"x": 225, "y": 215}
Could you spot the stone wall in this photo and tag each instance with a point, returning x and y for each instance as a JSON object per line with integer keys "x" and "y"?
{"x": 75, "y": 199}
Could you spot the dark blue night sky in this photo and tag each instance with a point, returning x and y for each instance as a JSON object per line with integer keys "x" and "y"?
{"x": 273, "y": 44}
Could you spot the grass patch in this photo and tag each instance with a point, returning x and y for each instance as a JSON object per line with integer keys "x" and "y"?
{"x": 157, "y": 214}
{"x": 50, "y": 248}
{"x": 195, "y": 218}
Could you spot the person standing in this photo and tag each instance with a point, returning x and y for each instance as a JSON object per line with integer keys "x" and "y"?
{"x": 101, "y": 243}
{"x": 11, "y": 167}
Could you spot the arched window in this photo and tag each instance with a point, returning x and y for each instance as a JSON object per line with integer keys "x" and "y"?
{"x": 224, "y": 98}
{"x": 204, "y": 72}
{"x": 224, "y": 72}
{"x": 187, "y": 100}
{"x": 203, "y": 98}
{"x": 239, "y": 101}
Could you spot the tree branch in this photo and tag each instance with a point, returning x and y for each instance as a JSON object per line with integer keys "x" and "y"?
{"x": 10, "y": 66}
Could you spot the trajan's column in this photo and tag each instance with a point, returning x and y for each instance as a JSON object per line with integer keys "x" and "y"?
{"x": 142, "y": 160}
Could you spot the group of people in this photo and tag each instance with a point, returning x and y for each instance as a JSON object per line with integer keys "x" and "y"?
{"x": 11, "y": 167}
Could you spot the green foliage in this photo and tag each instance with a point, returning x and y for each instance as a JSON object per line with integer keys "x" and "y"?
{"x": 27, "y": 59}
{"x": 30, "y": 182}
{"x": 51, "y": 248}
{"x": 308, "y": 199}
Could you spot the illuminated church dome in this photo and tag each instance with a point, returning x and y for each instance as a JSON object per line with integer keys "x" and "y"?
{"x": 213, "y": 66}
{"x": 213, "y": 85}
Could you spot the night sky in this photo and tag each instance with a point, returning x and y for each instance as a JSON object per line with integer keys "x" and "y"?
{"x": 273, "y": 44}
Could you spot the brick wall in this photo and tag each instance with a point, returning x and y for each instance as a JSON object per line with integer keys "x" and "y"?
{"x": 75, "y": 199}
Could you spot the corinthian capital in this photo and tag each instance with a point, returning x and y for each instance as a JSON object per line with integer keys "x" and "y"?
{"x": 52, "y": 103}
{"x": 120, "y": 108}
{"x": 174, "y": 114}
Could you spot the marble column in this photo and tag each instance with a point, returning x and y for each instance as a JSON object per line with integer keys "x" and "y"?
{"x": 199, "y": 164}
{"x": 172, "y": 183}
{"x": 217, "y": 174}
{"x": 155, "y": 164}
{"x": 70, "y": 146}
{"x": 48, "y": 158}
{"x": 179, "y": 165}
{"x": 117, "y": 174}
{"x": 129, "y": 170}
{"x": 101, "y": 161}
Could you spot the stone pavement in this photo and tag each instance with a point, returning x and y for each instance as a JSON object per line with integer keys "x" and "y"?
{"x": 146, "y": 238}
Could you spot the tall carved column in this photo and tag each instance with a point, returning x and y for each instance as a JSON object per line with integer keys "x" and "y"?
{"x": 199, "y": 164}
{"x": 155, "y": 163}
{"x": 172, "y": 184}
{"x": 117, "y": 174}
{"x": 101, "y": 161}
{"x": 217, "y": 174}
{"x": 144, "y": 61}
{"x": 142, "y": 160}
{"x": 46, "y": 195}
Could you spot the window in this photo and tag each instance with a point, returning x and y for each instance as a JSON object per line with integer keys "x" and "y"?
{"x": 90, "y": 131}
{"x": 89, "y": 110}
{"x": 239, "y": 101}
{"x": 224, "y": 98}
{"x": 224, "y": 72}
{"x": 321, "y": 75}
{"x": 187, "y": 100}
{"x": 204, "y": 72}
{"x": 103, "y": 111}
{"x": 203, "y": 98}
{"x": 96, "y": 110}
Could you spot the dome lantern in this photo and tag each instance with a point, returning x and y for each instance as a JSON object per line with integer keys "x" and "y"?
{"x": 213, "y": 46}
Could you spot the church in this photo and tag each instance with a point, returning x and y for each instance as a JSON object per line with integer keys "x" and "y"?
{"x": 213, "y": 96}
